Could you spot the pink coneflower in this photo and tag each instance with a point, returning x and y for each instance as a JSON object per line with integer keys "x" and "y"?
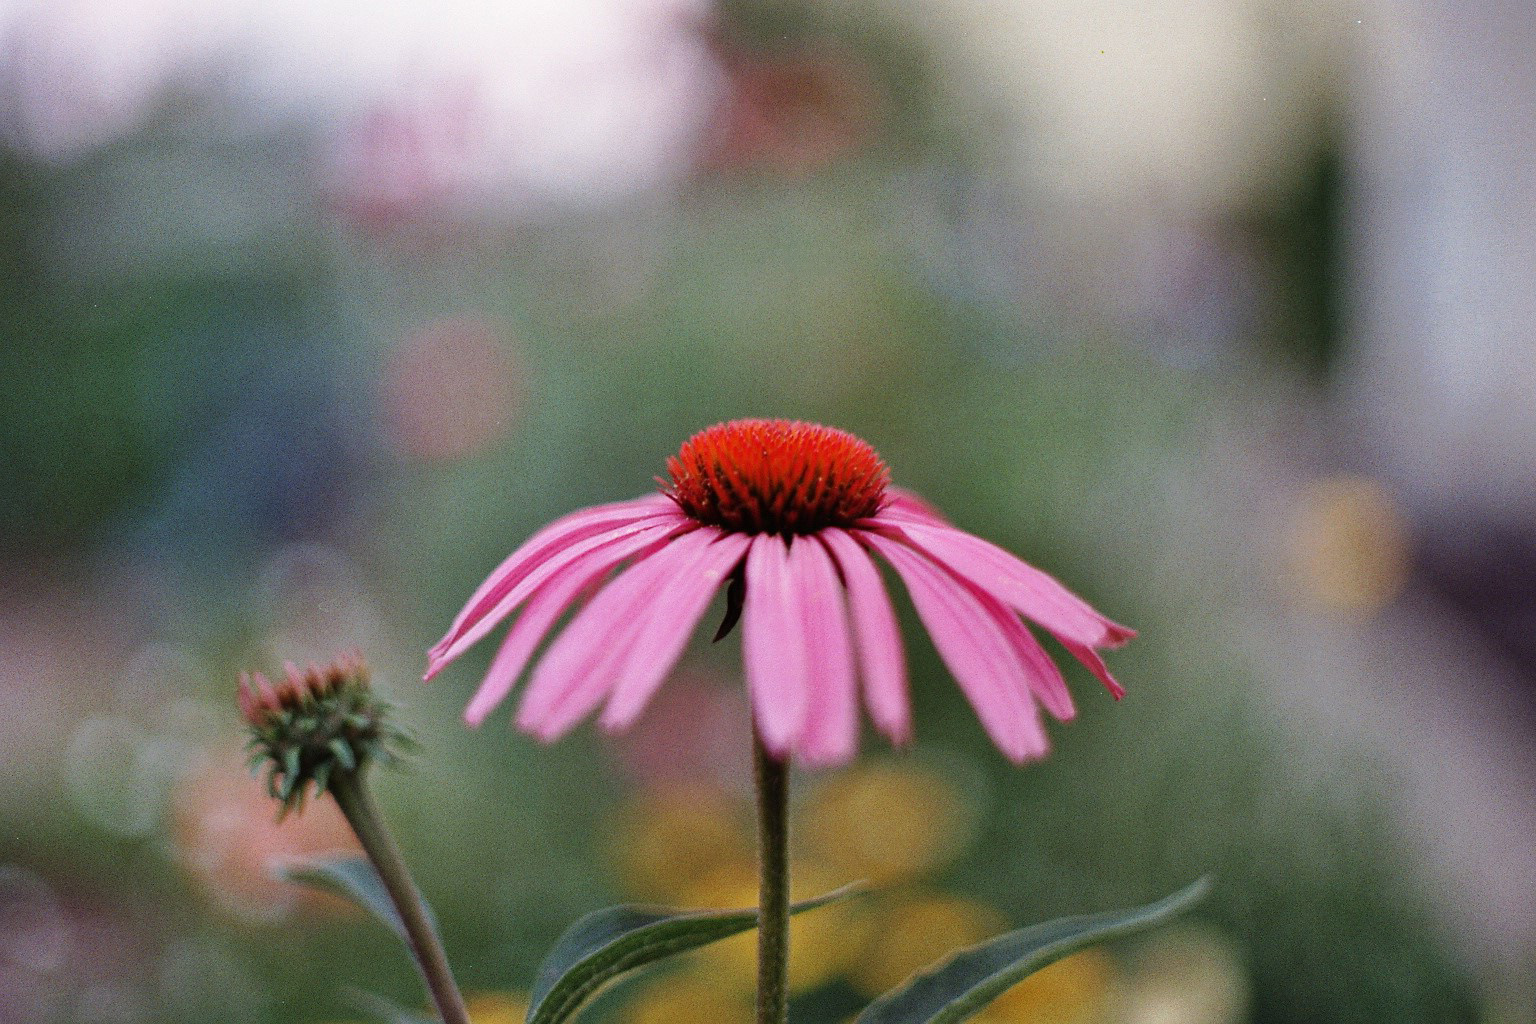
{"x": 793, "y": 515}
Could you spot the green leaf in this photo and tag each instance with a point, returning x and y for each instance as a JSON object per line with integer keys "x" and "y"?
{"x": 354, "y": 879}
{"x": 958, "y": 987}
{"x": 342, "y": 751}
{"x": 610, "y": 942}
{"x": 386, "y": 1010}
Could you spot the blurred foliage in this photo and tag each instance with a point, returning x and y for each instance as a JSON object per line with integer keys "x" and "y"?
{"x": 1303, "y": 233}
{"x": 200, "y": 414}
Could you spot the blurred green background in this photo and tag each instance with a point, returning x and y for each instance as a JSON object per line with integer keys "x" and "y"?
{"x": 310, "y": 316}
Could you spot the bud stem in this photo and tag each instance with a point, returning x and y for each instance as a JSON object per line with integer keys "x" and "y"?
{"x": 773, "y": 888}
{"x": 362, "y": 813}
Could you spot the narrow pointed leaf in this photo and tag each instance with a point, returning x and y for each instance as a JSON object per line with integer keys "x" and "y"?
{"x": 613, "y": 941}
{"x": 386, "y": 1011}
{"x": 352, "y": 878}
{"x": 323, "y": 776}
{"x": 964, "y": 984}
{"x": 343, "y": 753}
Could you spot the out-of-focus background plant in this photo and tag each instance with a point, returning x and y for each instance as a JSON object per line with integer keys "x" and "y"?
{"x": 1218, "y": 310}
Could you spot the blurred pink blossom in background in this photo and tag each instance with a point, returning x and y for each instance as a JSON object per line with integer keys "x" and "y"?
{"x": 227, "y": 837}
{"x": 793, "y": 112}
{"x": 694, "y": 731}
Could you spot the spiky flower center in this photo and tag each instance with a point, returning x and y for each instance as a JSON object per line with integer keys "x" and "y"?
{"x": 776, "y": 476}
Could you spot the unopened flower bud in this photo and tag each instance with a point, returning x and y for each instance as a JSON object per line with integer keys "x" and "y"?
{"x": 315, "y": 722}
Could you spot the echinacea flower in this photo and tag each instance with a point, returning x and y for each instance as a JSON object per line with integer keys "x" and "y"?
{"x": 793, "y": 515}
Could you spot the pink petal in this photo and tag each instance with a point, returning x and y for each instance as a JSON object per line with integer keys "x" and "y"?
{"x": 543, "y": 609}
{"x": 773, "y": 645}
{"x": 881, "y": 661}
{"x": 581, "y": 666}
{"x": 630, "y": 537}
{"x": 561, "y": 533}
{"x": 1044, "y": 675}
{"x": 1089, "y": 657}
{"x": 905, "y": 503}
{"x": 831, "y": 733}
{"x": 675, "y": 610}
{"x": 1021, "y": 586}
{"x": 975, "y": 649}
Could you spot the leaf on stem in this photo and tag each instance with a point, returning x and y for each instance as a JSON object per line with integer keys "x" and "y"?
{"x": 613, "y": 941}
{"x": 352, "y": 878}
{"x": 962, "y": 985}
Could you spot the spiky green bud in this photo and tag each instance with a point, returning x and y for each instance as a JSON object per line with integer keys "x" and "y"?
{"x": 313, "y": 723}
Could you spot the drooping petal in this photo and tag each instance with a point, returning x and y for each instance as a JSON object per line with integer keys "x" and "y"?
{"x": 543, "y": 608}
{"x": 512, "y": 657}
{"x": 675, "y": 610}
{"x": 1044, "y": 675}
{"x": 1034, "y": 594}
{"x": 831, "y": 733}
{"x": 566, "y": 530}
{"x": 1095, "y": 664}
{"x": 974, "y": 647}
{"x": 629, "y": 537}
{"x": 581, "y": 666}
{"x": 882, "y": 663}
{"x": 773, "y": 644}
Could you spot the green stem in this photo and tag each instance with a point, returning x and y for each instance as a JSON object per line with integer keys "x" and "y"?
{"x": 773, "y": 888}
{"x": 356, "y": 802}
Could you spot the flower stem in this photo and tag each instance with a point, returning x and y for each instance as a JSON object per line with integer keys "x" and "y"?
{"x": 773, "y": 887}
{"x": 362, "y": 813}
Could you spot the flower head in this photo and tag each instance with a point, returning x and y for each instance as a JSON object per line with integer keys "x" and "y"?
{"x": 314, "y": 722}
{"x": 794, "y": 514}
{"x": 769, "y": 476}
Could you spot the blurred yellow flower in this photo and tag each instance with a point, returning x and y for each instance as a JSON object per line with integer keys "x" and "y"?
{"x": 485, "y": 1008}
{"x": 821, "y": 941}
{"x": 1075, "y": 990}
{"x": 497, "y": 1008}
{"x": 1349, "y": 545}
{"x": 668, "y": 839}
{"x": 693, "y": 846}
{"x": 912, "y": 932}
{"x": 886, "y": 823}
{"x": 685, "y": 998}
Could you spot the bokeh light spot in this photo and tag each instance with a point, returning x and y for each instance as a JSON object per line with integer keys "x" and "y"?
{"x": 1349, "y": 544}
{"x": 916, "y": 931}
{"x": 887, "y": 823}
{"x": 316, "y": 603}
{"x": 821, "y": 943}
{"x": 685, "y": 998}
{"x": 1187, "y": 975}
{"x": 34, "y": 930}
{"x": 1076, "y": 990}
{"x": 451, "y": 389}
{"x": 667, "y": 839}
{"x": 118, "y": 776}
{"x": 226, "y": 834}
{"x": 496, "y": 1008}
